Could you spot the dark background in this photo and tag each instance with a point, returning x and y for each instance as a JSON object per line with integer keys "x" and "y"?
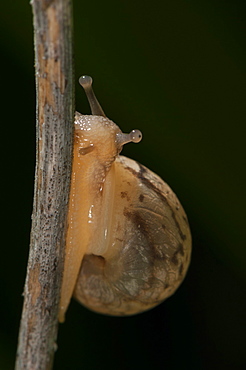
{"x": 177, "y": 71}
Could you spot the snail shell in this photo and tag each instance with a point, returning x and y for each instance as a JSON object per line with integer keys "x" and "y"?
{"x": 128, "y": 243}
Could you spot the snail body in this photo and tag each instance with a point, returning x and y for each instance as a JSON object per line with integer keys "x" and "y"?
{"x": 128, "y": 243}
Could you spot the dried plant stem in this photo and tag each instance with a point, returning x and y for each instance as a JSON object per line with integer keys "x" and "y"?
{"x": 55, "y": 114}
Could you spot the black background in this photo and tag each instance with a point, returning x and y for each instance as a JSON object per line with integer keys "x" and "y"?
{"x": 177, "y": 71}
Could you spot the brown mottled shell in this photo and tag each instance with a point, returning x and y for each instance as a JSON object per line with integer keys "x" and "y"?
{"x": 149, "y": 248}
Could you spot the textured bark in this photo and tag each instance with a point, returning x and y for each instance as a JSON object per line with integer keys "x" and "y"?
{"x": 55, "y": 114}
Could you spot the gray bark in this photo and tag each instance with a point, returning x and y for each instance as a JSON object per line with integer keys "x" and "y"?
{"x": 55, "y": 115}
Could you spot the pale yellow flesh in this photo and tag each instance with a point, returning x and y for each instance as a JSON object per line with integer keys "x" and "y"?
{"x": 88, "y": 197}
{"x": 75, "y": 246}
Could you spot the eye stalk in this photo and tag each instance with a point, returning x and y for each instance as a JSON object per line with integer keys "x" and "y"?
{"x": 86, "y": 83}
{"x": 133, "y": 137}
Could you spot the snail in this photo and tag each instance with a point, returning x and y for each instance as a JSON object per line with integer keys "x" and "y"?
{"x": 128, "y": 242}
